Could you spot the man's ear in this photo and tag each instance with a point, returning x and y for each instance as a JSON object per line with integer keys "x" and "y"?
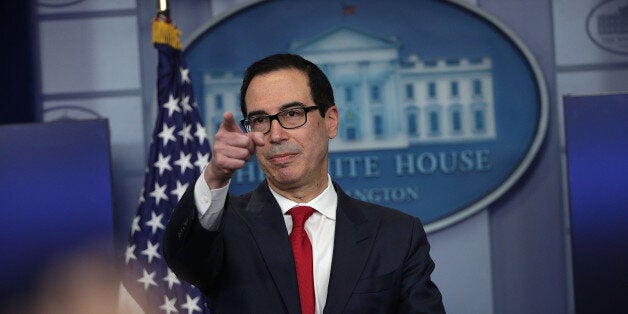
{"x": 332, "y": 118}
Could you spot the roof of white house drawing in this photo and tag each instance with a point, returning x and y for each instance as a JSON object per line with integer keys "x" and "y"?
{"x": 345, "y": 39}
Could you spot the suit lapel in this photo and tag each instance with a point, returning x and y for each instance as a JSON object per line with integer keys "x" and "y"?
{"x": 264, "y": 217}
{"x": 352, "y": 244}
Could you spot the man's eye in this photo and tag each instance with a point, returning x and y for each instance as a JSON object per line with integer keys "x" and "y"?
{"x": 257, "y": 120}
{"x": 293, "y": 112}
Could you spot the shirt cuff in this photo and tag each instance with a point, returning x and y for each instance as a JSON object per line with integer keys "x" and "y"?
{"x": 209, "y": 203}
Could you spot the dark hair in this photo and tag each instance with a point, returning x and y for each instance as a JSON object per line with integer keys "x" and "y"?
{"x": 320, "y": 88}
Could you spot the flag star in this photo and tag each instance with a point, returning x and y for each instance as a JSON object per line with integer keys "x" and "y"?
{"x": 159, "y": 193}
{"x": 168, "y": 305}
{"x": 200, "y": 133}
{"x": 167, "y": 134}
{"x": 172, "y": 105}
{"x": 129, "y": 255}
{"x": 163, "y": 163}
{"x": 151, "y": 251}
{"x": 185, "y": 75}
{"x": 191, "y": 305}
{"x": 171, "y": 279}
{"x": 155, "y": 222}
{"x": 184, "y": 162}
{"x": 147, "y": 280}
{"x": 180, "y": 190}
{"x": 185, "y": 133}
{"x": 201, "y": 160}
{"x": 185, "y": 103}
{"x": 135, "y": 226}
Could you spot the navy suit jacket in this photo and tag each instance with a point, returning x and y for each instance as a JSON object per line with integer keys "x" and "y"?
{"x": 380, "y": 262}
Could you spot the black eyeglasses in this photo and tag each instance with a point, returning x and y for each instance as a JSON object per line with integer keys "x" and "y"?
{"x": 290, "y": 118}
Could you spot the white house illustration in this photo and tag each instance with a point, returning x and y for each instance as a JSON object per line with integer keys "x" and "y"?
{"x": 385, "y": 102}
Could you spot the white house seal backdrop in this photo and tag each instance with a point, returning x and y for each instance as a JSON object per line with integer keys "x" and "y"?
{"x": 442, "y": 107}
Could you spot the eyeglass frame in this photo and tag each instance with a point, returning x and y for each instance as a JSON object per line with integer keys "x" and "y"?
{"x": 246, "y": 122}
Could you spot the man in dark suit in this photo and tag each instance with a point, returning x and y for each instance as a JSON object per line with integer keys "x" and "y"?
{"x": 297, "y": 243}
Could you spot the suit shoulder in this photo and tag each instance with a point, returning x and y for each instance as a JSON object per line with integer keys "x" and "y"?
{"x": 262, "y": 189}
{"x": 376, "y": 211}
{"x": 239, "y": 200}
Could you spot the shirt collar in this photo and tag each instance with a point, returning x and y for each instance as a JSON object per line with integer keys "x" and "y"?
{"x": 325, "y": 203}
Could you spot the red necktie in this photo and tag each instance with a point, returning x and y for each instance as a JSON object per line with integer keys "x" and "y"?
{"x": 302, "y": 251}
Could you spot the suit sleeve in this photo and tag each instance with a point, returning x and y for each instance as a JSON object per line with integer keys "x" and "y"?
{"x": 190, "y": 250}
{"x": 419, "y": 294}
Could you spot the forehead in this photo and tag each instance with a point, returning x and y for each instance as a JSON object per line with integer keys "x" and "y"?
{"x": 268, "y": 92}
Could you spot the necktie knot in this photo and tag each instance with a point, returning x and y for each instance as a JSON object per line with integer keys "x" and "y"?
{"x": 300, "y": 214}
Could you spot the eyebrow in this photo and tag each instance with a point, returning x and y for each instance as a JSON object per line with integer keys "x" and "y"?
{"x": 283, "y": 107}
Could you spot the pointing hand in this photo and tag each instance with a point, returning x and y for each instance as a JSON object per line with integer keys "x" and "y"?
{"x": 232, "y": 149}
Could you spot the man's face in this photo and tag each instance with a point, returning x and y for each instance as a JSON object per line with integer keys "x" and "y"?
{"x": 293, "y": 160}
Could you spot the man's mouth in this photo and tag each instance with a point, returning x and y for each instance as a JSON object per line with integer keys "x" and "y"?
{"x": 282, "y": 158}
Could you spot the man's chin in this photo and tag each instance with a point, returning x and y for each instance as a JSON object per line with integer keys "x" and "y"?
{"x": 285, "y": 181}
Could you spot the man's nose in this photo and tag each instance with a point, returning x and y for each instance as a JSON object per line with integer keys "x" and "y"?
{"x": 277, "y": 133}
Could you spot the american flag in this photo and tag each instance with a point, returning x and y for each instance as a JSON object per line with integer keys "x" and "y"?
{"x": 178, "y": 151}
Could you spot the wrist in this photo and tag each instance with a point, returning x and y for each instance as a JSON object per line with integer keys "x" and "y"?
{"x": 213, "y": 180}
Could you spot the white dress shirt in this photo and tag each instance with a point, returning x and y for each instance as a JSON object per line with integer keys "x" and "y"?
{"x": 320, "y": 227}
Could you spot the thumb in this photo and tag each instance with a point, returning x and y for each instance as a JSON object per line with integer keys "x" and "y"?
{"x": 257, "y": 138}
{"x": 229, "y": 124}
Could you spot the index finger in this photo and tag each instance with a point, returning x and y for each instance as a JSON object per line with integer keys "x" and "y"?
{"x": 229, "y": 123}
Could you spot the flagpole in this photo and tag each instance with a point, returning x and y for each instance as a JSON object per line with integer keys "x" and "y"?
{"x": 163, "y": 10}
